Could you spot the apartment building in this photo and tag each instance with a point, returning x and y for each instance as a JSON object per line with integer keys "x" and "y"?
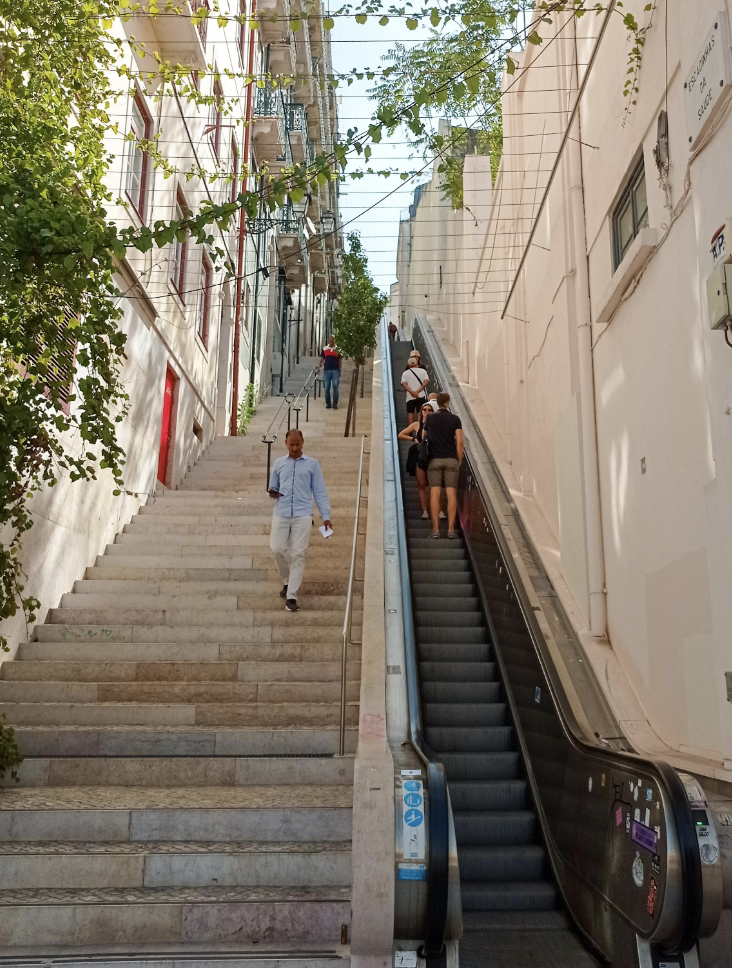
{"x": 197, "y": 338}
{"x": 575, "y": 299}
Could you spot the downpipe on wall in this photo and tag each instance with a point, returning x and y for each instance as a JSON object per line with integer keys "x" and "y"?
{"x": 588, "y": 422}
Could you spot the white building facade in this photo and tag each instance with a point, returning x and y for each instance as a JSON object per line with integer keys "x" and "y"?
{"x": 570, "y": 297}
{"x": 196, "y": 340}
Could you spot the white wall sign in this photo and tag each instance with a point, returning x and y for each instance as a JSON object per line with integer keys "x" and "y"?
{"x": 708, "y": 84}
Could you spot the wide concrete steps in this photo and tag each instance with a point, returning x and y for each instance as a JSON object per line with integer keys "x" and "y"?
{"x": 182, "y": 798}
{"x": 183, "y": 771}
{"x": 257, "y": 954}
{"x": 174, "y": 864}
{"x": 181, "y": 740}
{"x": 208, "y": 915}
{"x": 203, "y": 673}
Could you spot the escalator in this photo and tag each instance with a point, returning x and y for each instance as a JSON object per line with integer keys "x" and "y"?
{"x": 569, "y": 854}
{"x": 511, "y": 910}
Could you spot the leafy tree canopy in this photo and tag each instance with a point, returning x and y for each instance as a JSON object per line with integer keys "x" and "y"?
{"x": 360, "y": 305}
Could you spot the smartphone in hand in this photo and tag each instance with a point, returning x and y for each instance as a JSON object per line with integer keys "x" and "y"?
{"x": 273, "y": 493}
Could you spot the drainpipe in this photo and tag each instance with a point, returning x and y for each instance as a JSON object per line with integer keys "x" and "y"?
{"x": 242, "y": 237}
{"x": 588, "y": 423}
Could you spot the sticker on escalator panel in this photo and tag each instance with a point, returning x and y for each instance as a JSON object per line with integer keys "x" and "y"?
{"x": 643, "y": 836}
{"x": 637, "y": 870}
{"x": 405, "y": 959}
{"x": 656, "y": 864}
{"x": 636, "y": 814}
{"x": 412, "y": 872}
{"x": 627, "y": 824}
{"x": 413, "y": 835}
{"x": 647, "y": 820}
{"x": 649, "y": 794}
{"x": 618, "y": 816}
{"x": 652, "y": 896}
{"x": 589, "y": 784}
{"x": 708, "y": 853}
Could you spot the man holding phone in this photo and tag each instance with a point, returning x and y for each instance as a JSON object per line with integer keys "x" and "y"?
{"x": 296, "y": 482}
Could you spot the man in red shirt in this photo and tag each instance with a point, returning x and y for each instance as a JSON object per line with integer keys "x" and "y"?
{"x": 331, "y": 365}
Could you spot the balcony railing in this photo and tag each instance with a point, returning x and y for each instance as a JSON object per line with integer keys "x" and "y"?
{"x": 311, "y": 152}
{"x": 270, "y": 102}
{"x": 289, "y": 222}
{"x": 295, "y": 117}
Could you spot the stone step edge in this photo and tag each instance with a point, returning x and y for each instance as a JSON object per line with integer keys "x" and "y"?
{"x": 51, "y": 897}
{"x": 202, "y": 848}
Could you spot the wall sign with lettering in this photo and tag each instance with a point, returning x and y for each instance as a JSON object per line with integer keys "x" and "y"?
{"x": 709, "y": 82}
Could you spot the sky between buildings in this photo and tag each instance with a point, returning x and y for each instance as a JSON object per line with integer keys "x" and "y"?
{"x": 362, "y": 46}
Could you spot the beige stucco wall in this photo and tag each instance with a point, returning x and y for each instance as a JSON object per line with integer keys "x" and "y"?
{"x": 662, "y": 378}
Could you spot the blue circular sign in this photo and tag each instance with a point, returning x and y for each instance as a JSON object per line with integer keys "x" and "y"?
{"x": 413, "y": 818}
{"x": 413, "y": 799}
{"x": 412, "y": 785}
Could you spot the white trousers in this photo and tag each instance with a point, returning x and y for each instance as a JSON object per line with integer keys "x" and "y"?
{"x": 289, "y": 540}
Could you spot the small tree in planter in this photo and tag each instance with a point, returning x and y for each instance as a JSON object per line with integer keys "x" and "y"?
{"x": 356, "y": 316}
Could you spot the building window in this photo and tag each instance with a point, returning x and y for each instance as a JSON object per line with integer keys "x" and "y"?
{"x": 138, "y": 161}
{"x": 216, "y": 119}
{"x": 204, "y": 298}
{"x": 180, "y": 251}
{"x": 631, "y": 214}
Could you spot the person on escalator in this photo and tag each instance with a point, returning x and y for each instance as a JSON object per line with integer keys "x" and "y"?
{"x": 445, "y": 432}
{"x": 414, "y": 381}
{"x": 415, "y": 432}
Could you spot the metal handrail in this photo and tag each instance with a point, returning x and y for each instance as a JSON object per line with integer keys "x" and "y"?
{"x": 289, "y": 399}
{"x": 349, "y": 607}
{"x": 439, "y": 804}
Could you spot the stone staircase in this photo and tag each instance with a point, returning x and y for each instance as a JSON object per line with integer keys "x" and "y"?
{"x": 181, "y": 796}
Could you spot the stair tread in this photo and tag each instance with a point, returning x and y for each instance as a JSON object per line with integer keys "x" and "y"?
{"x": 170, "y": 895}
{"x": 63, "y": 848}
{"x": 176, "y": 798}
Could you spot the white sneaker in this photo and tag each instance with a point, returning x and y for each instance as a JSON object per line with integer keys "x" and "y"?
{"x": 425, "y": 516}
{"x": 442, "y": 515}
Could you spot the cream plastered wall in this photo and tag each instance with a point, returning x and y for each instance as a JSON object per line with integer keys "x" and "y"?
{"x": 662, "y": 379}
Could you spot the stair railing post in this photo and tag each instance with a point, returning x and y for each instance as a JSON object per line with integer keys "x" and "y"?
{"x": 269, "y": 458}
{"x": 307, "y": 407}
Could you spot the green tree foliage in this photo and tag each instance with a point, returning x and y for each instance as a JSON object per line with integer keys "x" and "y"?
{"x": 59, "y": 329}
{"x": 359, "y": 306}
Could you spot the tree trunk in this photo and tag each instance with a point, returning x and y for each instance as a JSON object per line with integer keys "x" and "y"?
{"x": 352, "y": 401}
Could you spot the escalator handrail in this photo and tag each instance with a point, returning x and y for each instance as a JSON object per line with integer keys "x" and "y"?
{"x": 439, "y": 807}
{"x": 667, "y": 777}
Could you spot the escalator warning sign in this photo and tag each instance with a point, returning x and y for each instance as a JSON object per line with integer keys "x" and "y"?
{"x": 661, "y": 960}
{"x": 413, "y": 838}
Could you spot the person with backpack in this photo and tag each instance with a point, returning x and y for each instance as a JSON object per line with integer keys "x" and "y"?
{"x": 416, "y": 466}
{"x": 414, "y": 381}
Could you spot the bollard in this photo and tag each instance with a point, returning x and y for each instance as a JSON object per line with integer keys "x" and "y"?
{"x": 289, "y": 407}
{"x": 297, "y": 417}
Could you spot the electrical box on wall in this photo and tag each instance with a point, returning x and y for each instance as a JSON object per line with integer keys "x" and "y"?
{"x": 719, "y": 289}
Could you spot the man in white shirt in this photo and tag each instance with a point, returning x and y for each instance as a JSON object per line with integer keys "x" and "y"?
{"x": 414, "y": 381}
{"x": 296, "y": 481}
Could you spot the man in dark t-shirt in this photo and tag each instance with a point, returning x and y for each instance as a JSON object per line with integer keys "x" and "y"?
{"x": 331, "y": 364}
{"x": 445, "y": 433}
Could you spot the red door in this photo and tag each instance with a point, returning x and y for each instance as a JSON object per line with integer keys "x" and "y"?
{"x": 165, "y": 430}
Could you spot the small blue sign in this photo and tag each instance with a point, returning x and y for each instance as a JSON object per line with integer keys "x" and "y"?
{"x": 413, "y": 818}
{"x": 649, "y": 794}
{"x": 413, "y": 800}
{"x": 412, "y": 785}
{"x": 412, "y": 872}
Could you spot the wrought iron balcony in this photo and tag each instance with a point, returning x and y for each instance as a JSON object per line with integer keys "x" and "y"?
{"x": 270, "y": 102}
{"x": 296, "y": 123}
{"x": 295, "y": 117}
